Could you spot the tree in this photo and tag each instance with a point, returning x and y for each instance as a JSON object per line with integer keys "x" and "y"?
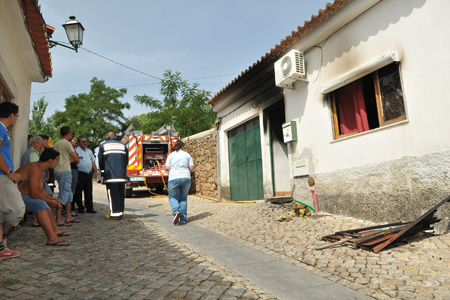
{"x": 182, "y": 105}
{"x": 95, "y": 113}
{"x": 37, "y": 124}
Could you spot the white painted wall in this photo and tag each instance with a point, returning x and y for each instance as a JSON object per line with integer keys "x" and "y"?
{"x": 18, "y": 67}
{"x": 236, "y": 113}
{"x": 416, "y": 29}
{"x": 230, "y": 120}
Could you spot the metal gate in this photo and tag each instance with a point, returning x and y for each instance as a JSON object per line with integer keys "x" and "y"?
{"x": 244, "y": 152}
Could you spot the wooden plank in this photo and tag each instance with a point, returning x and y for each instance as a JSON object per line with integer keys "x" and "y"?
{"x": 372, "y": 227}
{"x": 375, "y": 241}
{"x": 405, "y": 230}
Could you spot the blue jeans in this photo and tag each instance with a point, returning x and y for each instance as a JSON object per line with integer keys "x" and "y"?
{"x": 178, "y": 192}
{"x": 65, "y": 194}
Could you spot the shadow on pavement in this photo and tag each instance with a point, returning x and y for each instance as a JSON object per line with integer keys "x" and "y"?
{"x": 155, "y": 205}
{"x": 142, "y": 193}
{"x": 199, "y": 216}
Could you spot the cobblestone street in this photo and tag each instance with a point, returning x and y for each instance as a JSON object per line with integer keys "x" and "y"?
{"x": 135, "y": 258}
{"x": 128, "y": 259}
{"x": 418, "y": 269}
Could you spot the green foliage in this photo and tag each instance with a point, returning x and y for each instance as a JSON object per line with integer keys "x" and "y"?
{"x": 95, "y": 113}
{"x": 183, "y": 105}
{"x": 37, "y": 124}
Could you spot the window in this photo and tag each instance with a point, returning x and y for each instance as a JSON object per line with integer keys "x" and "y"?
{"x": 373, "y": 101}
{"x": 4, "y": 95}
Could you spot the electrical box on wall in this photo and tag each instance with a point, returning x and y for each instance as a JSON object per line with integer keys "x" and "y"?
{"x": 300, "y": 167}
{"x": 290, "y": 131}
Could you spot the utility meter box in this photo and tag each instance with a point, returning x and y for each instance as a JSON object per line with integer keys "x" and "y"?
{"x": 290, "y": 131}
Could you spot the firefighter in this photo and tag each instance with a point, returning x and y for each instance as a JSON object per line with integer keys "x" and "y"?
{"x": 113, "y": 161}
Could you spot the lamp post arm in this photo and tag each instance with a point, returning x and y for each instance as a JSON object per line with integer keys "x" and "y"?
{"x": 54, "y": 43}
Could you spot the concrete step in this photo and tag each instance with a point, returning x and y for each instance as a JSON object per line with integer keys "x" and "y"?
{"x": 279, "y": 199}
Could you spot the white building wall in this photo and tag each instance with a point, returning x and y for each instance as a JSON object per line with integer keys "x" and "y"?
{"x": 391, "y": 173}
{"x": 15, "y": 72}
{"x": 410, "y": 28}
{"x": 236, "y": 113}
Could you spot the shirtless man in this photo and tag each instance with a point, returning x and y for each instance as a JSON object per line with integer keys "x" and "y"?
{"x": 37, "y": 200}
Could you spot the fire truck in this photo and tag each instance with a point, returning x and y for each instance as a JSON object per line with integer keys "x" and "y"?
{"x": 147, "y": 156}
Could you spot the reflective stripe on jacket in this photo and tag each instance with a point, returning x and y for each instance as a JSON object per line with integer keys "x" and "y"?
{"x": 113, "y": 161}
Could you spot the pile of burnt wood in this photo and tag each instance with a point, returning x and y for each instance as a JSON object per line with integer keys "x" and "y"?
{"x": 376, "y": 238}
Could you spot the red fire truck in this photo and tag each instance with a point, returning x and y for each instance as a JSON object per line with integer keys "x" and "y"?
{"x": 147, "y": 156}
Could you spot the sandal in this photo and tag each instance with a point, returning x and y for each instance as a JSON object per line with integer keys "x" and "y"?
{"x": 64, "y": 224}
{"x": 64, "y": 233}
{"x": 73, "y": 221}
{"x": 61, "y": 243}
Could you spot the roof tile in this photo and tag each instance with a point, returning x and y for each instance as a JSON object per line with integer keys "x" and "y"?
{"x": 38, "y": 31}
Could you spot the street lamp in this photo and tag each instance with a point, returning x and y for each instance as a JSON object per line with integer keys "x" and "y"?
{"x": 74, "y": 31}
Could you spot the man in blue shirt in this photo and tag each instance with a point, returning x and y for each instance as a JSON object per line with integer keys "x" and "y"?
{"x": 85, "y": 167}
{"x": 12, "y": 207}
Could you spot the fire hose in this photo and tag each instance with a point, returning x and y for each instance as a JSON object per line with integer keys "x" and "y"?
{"x": 197, "y": 195}
{"x": 155, "y": 195}
{"x": 224, "y": 201}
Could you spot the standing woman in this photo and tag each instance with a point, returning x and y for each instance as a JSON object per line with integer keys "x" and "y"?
{"x": 74, "y": 169}
{"x": 180, "y": 165}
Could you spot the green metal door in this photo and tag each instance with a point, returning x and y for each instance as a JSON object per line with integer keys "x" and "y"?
{"x": 244, "y": 152}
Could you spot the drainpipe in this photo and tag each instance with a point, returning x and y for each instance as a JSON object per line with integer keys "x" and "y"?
{"x": 219, "y": 181}
{"x": 271, "y": 159}
{"x": 311, "y": 183}
{"x": 316, "y": 203}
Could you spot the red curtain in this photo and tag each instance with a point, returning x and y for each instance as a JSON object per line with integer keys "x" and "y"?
{"x": 352, "y": 108}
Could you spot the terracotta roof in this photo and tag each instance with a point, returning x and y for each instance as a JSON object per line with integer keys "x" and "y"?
{"x": 39, "y": 33}
{"x": 280, "y": 48}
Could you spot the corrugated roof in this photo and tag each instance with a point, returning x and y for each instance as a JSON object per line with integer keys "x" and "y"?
{"x": 280, "y": 48}
{"x": 39, "y": 32}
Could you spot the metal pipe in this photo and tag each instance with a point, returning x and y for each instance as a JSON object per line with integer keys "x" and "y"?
{"x": 219, "y": 182}
{"x": 316, "y": 203}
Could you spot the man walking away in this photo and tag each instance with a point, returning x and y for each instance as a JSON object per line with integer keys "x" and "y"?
{"x": 12, "y": 207}
{"x": 85, "y": 167}
{"x": 113, "y": 161}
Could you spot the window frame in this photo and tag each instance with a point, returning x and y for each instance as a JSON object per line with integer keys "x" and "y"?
{"x": 4, "y": 94}
{"x": 379, "y": 105}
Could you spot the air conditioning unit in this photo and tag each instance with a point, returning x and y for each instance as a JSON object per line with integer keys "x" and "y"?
{"x": 290, "y": 68}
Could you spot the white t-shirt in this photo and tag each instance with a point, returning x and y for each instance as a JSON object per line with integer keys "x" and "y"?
{"x": 179, "y": 163}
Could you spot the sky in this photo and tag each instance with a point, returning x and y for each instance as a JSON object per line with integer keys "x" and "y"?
{"x": 131, "y": 43}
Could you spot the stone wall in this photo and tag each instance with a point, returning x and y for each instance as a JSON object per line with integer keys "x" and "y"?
{"x": 398, "y": 190}
{"x": 202, "y": 148}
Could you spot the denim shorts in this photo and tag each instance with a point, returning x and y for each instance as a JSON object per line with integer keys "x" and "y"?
{"x": 34, "y": 205}
{"x": 65, "y": 194}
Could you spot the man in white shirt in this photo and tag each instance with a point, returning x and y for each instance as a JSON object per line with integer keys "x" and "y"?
{"x": 85, "y": 168}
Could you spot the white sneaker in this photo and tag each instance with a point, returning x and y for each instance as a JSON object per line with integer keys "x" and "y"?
{"x": 176, "y": 218}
